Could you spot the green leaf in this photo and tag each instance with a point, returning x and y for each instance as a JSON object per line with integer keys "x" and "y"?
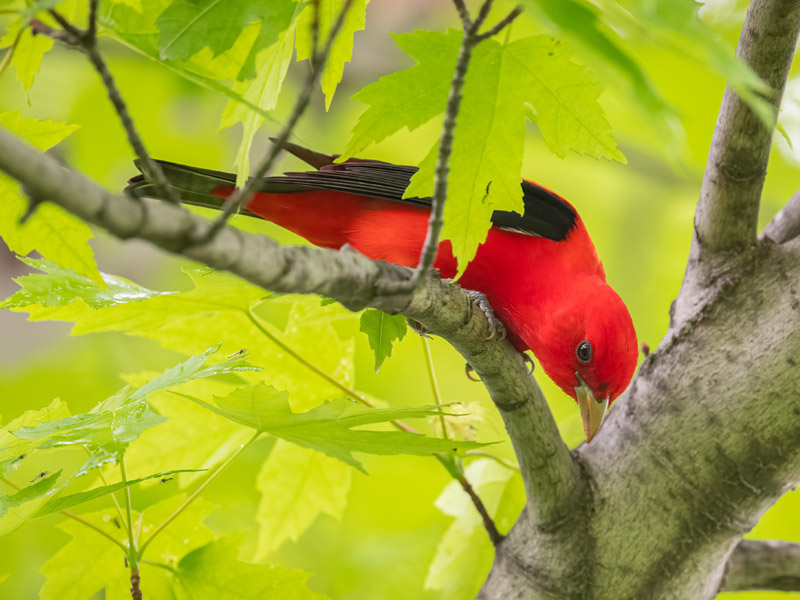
{"x": 382, "y": 330}
{"x": 272, "y": 63}
{"x": 28, "y": 56}
{"x": 102, "y": 564}
{"x": 214, "y": 572}
{"x": 296, "y": 486}
{"x": 218, "y": 309}
{"x": 342, "y": 48}
{"x": 31, "y": 492}
{"x": 18, "y": 508}
{"x": 121, "y": 419}
{"x": 51, "y": 231}
{"x": 187, "y": 26}
{"x": 486, "y": 158}
{"x": 63, "y": 286}
{"x": 63, "y": 502}
{"x": 407, "y": 98}
{"x": 13, "y": 451}
{"x": 328, "y": 427}
{"x": 192, "y": 436}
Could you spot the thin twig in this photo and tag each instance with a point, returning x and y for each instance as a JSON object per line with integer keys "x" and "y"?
{"x": 196, "y": 493}
{"x": 241, "y": 197}
{"x": 488, "y": 523}
{"x": 470, "y": 39}
{"x": 509, "y": 18}
{"x": 136, "y": 591}
{"x": 86, "y": 41}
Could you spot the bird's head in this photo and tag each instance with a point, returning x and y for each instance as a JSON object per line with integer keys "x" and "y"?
{"x": 588, "y": 348}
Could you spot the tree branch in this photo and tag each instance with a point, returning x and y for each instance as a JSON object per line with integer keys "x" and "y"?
{"x": 785, "y": 225}
{"x": 727, "y": 213}
{"x": 86, "y": 41}
{"x": 548, "y": 470}
{"x": 763, "y": 565}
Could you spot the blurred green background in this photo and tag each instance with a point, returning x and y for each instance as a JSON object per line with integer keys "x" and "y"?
{"x": 639, "y": 215}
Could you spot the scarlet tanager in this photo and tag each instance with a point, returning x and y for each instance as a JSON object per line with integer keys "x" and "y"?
{"x": 539, "y": 270}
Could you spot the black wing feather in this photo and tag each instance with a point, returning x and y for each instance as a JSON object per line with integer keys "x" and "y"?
{"x": 546, "y": 213}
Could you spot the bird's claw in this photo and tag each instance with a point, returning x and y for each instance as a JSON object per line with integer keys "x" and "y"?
{"x": 496, "y": 329}
{"x": 529, "y": 362}
{"x": 468, "y": 371}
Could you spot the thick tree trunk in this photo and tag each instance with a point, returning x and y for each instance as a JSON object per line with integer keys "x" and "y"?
{"x": 704, "y": 442}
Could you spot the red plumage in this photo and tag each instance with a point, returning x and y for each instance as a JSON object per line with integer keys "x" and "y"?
{"x": 551, "y": 294}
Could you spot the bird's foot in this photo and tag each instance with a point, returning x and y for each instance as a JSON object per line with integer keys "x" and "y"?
{"x": 496, "y": 329}
{"x": 468, "y": 371}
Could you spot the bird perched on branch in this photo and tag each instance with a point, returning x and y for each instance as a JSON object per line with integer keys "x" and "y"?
{"x": 539, "y": 270}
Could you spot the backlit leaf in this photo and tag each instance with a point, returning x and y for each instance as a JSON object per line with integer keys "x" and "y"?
{"x": 486, "y": 160}
{"x": 51, "y": 231}
{"x": 328, "y": 427}
{"x": 342, "y": 48}
{"x": 382, "y": 331}
{"x": 63, "y": 502}
{"x": 214, "y": 572}
{"x": 296, "y": 486}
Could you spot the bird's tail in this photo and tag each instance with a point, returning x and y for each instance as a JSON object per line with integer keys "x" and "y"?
{"x": 208, "y": 188}
{"x": 193, "y": 185}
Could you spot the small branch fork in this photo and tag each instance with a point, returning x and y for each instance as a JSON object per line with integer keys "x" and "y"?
{"x": 241, "y": 197}
{"x": 471, "y": 38}
{"x": 86, "y": 42}
{"x": 763, "y": 565}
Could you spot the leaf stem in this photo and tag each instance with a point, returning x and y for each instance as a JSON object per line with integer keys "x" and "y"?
{"x": 153, "y": 563}
{"x": 426, "y": 348}
{"x": 132, "y": 553}
{"x": 197, "y": 492}
{"x": 86, "y": 42}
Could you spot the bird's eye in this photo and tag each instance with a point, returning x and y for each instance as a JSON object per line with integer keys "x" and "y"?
{"x": 584, "y": 351}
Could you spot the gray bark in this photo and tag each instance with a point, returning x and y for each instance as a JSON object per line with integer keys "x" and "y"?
{"x": 705, "y": 440}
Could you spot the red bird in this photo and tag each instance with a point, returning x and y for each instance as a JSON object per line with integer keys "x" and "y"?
{"x": 540, "y": 270}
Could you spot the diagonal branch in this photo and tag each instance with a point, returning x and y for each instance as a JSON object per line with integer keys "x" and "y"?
{"x": 785, "y": 225}
{"x": 548, "y": 470}
{"x": 763, "y": 565}
{"x": 86, "y": 41}
{"x": 727, "y": 212}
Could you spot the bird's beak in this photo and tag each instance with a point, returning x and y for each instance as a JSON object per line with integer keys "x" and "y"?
{"x": 592, "y": 410}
